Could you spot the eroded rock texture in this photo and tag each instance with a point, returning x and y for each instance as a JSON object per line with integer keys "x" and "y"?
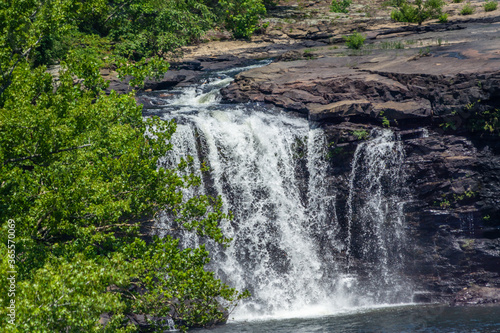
{"x": 430, "y": 100}
{"x": 428, "y": 84}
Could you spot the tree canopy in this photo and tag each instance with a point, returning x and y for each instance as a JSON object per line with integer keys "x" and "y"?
{"x": 79, "y": 172}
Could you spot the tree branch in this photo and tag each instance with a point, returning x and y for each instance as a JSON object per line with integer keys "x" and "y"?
{"x": 12, "y": 160}
{"x": 116, "y": 11}
{"x": 105, "y": 227}
{"x": 21, "y": 56}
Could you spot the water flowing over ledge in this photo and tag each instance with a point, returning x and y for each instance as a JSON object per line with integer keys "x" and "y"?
{"x": 288, "y": 248}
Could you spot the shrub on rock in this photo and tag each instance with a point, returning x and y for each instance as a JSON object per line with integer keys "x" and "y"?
{"x": 417, "y": 12}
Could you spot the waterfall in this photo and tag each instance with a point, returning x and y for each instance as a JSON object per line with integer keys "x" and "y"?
{"x": 271, "y": 170}
{"x": 376, "y": 229}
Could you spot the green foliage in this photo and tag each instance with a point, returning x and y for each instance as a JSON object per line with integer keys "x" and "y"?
{"x": 79, "y": 174}
{"x": 444, "y": 204}
{"x": 458, "y": 1}
{"x": 79, "y": 171}
{"x": 145, "y": 28}
{"x": 242, "y": 17}
{"x": 142, "y": 70}
{"x": 340, "y": 6}
{"x": 449, "y": 199}
{"x": 467, "y": 9}
{"x": 354, "y": 41}
{"x": 309, "y": 54}
{"x": 425, "y": 51}
{"x": 418, "y": 12}
{"x": 386, "y": 45}
{"x": 467, "y": 244}
{"x": 360, "y": 134}
{"x": 196, "y": 295}
{"x": 477, "y": 120}
{"x": 270, "y": 3}
{"x": 71, "y": 293}
{"x": 490, "y": 6}
{"x": 335, "y": 152}
{"x": 137, "y": 28}
{"x": 443, "y": 18}
{"x": 385, "y": 121}
{"x": 23, "y": 26}
{"x": 51, "y": 50}
{"x": 485, "y": 121}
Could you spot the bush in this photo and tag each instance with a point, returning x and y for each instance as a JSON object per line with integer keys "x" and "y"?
{"x": 354, "y": 41}
{"x": 79, "y": 174}
{"x": 242, "y": 17}
{"x": 443, "y": 18}
{"x": 418, "y": 12}
{"x": 270, "y": 3}
{"x": 457, "y": 1}
{"x": 485, "y": 122}
{"x": 467, "y": 9}
{"x": 397, "y": 3}
{"x": 490, "y": 6}
{"x": 340, "y": 6}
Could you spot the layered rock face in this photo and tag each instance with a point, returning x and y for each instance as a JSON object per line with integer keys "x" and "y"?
{"x": 437, "y": 87}
{"x": 409, "y": 87}
{"x": 452, "y": 208}
{"x": 431, "y": 100}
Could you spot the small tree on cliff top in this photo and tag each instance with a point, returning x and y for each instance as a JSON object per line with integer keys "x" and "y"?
{"x": 418, "y": 12}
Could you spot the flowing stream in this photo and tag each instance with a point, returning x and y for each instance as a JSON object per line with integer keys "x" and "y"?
{"x": 271, "y": 170}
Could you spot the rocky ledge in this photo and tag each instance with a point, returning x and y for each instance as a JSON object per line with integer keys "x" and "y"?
{"x": 477, "y": 296}
{"x": 427, "y": 85}
{"x": 422, "y": 84}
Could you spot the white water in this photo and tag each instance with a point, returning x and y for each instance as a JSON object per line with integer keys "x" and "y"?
{"x": 376, "y": 229}
{"x": 271, "y": 171}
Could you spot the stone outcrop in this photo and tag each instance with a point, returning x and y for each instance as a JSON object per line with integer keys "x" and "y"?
{"x": 477, "y": 296}
{"x": 455, "y": 211}
{"x": 332, "y": 89}
{"x": 452, "y": 211}
{"x": 428, "y": 98}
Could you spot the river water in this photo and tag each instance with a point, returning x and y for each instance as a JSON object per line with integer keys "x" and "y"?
{"x": 395, "y": 319}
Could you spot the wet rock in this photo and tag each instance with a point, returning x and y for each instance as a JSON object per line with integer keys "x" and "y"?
{"x": 329, "y": 88}
{"x": 451, "y": 178}
{"x": 169, "y": 80}
{"x": 477, "y": 296}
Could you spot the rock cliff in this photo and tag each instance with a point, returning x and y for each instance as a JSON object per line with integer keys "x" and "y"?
{"x": 435, "y": 98}
{"x": 437, "y": 86}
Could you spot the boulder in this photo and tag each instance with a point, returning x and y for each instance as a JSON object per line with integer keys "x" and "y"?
{"x": 477, "y": 295}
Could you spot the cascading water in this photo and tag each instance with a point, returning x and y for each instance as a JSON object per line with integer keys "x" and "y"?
{"x": 376, "y": 230}
{"x": 271, "y": 171}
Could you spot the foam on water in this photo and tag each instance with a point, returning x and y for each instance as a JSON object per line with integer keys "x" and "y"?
{"x": 271, "y": 171}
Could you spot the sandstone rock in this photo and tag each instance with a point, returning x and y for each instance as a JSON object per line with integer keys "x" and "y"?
{"x": 477, "y": 296}
{"x": 322, "y": 88}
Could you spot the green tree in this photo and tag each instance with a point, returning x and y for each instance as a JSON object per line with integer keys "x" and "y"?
{"x": 242, "y": 17}
{"x": 143, "y": 28}
{"x": 340, "y": 6}
{"x": 79, "y": 172}
{"x": 354, "y": 41}
{"x": 147, "y": 27}
{"x": 418, "y": 12}
{"x": 79, "y": 175}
